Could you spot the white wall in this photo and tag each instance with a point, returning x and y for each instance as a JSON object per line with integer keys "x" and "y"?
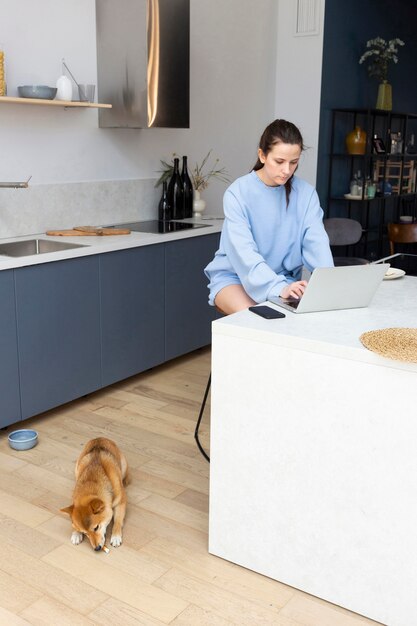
{"x": 233, "y": 59}
{"x": 298, "y": 78}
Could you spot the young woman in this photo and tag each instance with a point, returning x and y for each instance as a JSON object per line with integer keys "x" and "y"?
{"x": 273, "y": 227}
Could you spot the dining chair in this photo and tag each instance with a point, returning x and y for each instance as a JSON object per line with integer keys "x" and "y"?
{"x": 344, "y": 232}
{"x": 401, "y": 233}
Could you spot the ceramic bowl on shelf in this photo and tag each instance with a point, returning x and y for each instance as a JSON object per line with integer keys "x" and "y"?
{"x": 42, "y": 92}
{"x": 350, "y": 196}
{"x": 23, "y": 439}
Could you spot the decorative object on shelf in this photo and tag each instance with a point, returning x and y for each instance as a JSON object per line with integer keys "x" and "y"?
{"x": 378, "y": 145}
{"x": 86, "y": 93}
{"x": 64, "y": 85}
{"x": 356, "y": 141}
{"x": 370, "y": 189}
{"x": 384, "y": 188}
{"x": 396, "y": 143}
{"x": 394, "y": 172}
{"x": 64, "y": 88}
{"x": 411, "y": 147}
{"x": 199, "y": 205}
{"x": 384, "y": 97}
{"x": 3, "y": 87}
{"x": 39, "y": 92}
{"x": 380, "y": 54}
{"x": 356, "y": 185}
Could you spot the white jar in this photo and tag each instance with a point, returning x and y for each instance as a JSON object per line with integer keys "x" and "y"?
{"x": 64, "y": 87}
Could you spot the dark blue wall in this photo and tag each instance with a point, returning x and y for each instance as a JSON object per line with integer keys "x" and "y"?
{"x": 345, "y": 83}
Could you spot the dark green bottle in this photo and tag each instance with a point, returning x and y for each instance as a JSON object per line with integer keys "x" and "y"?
{"x": 164, "y": 208}
{"x": 187, "y": 190}
{"x": 175, "y": 193}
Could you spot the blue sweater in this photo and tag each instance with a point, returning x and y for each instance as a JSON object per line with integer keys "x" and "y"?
{"x": 264, "y": 244}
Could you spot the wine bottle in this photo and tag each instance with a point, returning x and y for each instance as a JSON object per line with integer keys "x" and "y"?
{"x": 164, "y": 208}
{"x": 175, "y": 194}
{"x": 187, "y": 190}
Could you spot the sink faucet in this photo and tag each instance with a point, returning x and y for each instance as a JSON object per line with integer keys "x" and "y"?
{"x": 18, "y": 185}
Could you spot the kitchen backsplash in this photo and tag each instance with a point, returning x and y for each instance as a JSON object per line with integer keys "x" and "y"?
{"x": 43, "y": 207}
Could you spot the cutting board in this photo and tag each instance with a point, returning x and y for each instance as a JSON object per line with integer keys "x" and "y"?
{"x": 87, "y": 231}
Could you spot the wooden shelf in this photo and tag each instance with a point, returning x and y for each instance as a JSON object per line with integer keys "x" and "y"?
{"x": 57, "y": 103}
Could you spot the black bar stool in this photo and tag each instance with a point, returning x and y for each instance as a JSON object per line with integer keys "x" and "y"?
{"x": 203, "y": 405}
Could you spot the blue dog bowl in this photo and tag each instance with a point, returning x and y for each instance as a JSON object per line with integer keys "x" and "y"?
{"x": 23, "y": 439}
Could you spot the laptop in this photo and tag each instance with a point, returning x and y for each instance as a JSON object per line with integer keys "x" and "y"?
{"x": 333, "y": 288}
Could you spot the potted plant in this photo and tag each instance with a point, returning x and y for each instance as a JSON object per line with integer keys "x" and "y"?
{"x": 380, "y": 54}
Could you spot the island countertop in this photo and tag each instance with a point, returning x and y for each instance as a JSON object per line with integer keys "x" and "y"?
{"x": 335, "y": 333}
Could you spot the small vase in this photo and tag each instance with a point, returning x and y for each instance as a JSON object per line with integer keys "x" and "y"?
{"x": 384, "y": 99}
{"x": 199, "y": 204}
{"x": 64, "y": 89}
{"x": 356, "y": 141}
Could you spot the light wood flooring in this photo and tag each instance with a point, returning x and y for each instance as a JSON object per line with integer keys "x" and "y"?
{"x": 162, "y": 574}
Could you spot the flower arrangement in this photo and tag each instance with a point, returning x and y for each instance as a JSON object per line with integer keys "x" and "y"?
{"x": 199, "y": 176}
{"x": 380, "y": 55}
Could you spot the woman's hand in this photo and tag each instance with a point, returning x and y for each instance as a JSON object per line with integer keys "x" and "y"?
{"x": 295, "y": 290}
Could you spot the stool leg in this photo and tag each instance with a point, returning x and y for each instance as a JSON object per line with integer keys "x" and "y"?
{"x": 200, "y": 447}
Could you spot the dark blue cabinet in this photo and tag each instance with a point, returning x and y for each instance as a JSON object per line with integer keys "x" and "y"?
{"x": 9, "y": 374}
{"x": 132, "y": 311}
{"x": 188, "y": 316}
{"x": 58, "y": 315}
{"x": 68, "y": 328}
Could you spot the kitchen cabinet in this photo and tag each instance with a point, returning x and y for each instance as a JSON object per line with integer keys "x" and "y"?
{"x": 73, "y": 326}
{"x": 9, "y": 373}
{"x": 188, "y": 316}
{"x": 58, "y": 321}
{"x": 132, "y": 311}
{"x": 391, "y": 166}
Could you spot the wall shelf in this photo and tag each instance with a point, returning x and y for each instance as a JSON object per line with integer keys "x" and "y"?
{"x": 57, "y": 103}
{"x": 393, "y": 173}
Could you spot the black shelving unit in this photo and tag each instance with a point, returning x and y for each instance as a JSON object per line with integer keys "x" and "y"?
{"x": 398, "y": 169}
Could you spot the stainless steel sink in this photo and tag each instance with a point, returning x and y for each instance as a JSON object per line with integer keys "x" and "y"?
{"x": 35, "y": 246}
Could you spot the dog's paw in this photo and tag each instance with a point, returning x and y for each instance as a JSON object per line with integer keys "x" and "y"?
{"x": 76, "y": 538}
{"x": 116, "y": 541}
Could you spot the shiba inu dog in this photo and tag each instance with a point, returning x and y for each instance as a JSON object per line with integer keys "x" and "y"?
{"x": 100, "y": 476}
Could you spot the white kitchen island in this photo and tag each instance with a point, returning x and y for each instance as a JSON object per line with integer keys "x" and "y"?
{"x": 313, "y": 474}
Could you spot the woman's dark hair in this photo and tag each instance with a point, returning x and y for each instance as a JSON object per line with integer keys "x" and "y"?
{"x": 279, "y": 131}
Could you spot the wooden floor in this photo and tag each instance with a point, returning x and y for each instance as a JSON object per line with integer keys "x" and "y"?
{"x": 162, "y": 574}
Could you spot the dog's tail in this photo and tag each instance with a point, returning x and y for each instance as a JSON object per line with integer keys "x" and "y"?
{"x": 126, "y": 479}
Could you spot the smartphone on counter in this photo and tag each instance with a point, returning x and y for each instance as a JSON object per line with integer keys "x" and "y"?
{"x": 267, "y": 312}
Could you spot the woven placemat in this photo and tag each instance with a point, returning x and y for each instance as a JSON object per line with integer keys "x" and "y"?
{"x": 393, "y": 343}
